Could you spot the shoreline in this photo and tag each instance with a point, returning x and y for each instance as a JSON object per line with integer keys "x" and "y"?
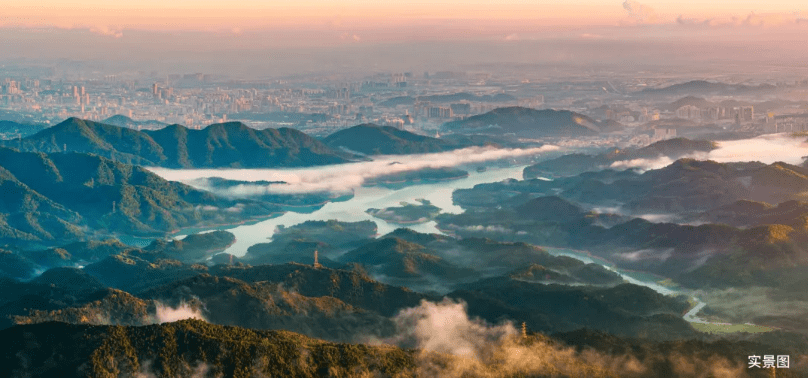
{"x": 175, "y": 232}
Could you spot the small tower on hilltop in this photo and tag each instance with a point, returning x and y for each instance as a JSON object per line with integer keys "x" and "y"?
{"x": 524, "y": 330}
{"x": 316, "y": 262}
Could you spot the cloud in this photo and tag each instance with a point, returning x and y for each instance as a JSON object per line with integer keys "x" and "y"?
{"x": 640, "y": 12}
{"x": 103, "y": 30}
{"x": 344, "y": 177}
{"x": 644, "y": 255}
{"x": 591, "y": 36}
{"x": 765, "y": 148}
{"x": 752, "y": 20}
{"x": 642, "y": 163}
{"x": 444, "y": 327}
{"x": 350, "y": 37}
{"x": 512, "y": 37}
{"x": 165, "y": 314}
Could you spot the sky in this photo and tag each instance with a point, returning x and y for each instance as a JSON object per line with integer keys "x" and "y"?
{"x": 183, "y": 31}
{"x": 112, "y": 18}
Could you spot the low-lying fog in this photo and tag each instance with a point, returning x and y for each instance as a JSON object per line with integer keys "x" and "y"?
{"x": 344, "y": 177}
{"x": 767, "y": 149}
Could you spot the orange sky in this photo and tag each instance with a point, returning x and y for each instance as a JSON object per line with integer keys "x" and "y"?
{"x": 263, "y": 14}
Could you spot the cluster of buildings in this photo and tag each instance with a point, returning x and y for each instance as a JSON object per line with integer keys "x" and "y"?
{"x": 738, "y": 114}
{"x": 197, "y": 100}
{"x": 787, "y": 123}
{"x": 323, "y": 104}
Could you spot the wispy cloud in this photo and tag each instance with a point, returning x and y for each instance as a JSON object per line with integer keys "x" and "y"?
{"x": 640, "y": 12}
{"x": 341, "y": 178}
{"x": 755, "y": 20}
{"x": 104, "y": 30}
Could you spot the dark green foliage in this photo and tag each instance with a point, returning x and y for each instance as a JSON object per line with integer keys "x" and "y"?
{"x": 220, "y": 145}
{"x": 138, "y": 270}
{"x": 426, "y": 175}
{"x": 237, "y": 145}
{"x": 626, "y": 310}
{"x": 352, "y": 287}
{"x": 12, "y": 129}
{"x": 16, "y": 266}
{"x": 194, "y": 248}
{"x": 50, "y": 197}
{"x": 696, "y": 358}
{"x": 527, "y": 122}
{"x": 186, "y": 349}
{"x": 267, "y": 305}
{"x": 574, "y": 164}
{"x": 445, "y": 98}
{"x": 406, "y": 213}
{"x": 395, "y": 257}
{"x": 126, "y": 122}
{"x": 703, "y": 87}
{"x": 374, "y": 139}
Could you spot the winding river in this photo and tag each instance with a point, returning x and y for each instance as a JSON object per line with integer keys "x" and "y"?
{"x": 440, "y": 194}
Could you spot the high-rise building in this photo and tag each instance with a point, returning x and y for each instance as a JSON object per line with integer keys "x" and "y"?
{"x": 439, "y": 112}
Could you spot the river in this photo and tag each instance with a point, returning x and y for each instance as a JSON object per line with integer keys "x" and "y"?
{"x": 440, "y": 195}
{"x": 353, "y": 210}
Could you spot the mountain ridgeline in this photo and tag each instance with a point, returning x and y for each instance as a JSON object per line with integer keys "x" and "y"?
{"x": 232, "y": 144}
{"x": 529, "y": 123}
{"x": 577, "y": 163}
{"x": 375, "y": 139}
{"x": 67, "y": 196}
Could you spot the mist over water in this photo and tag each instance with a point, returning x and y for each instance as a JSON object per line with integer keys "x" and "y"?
{"x": 344, "y": 177}
{"x": 767, "y": 149}
{"x": 353, "y": 210}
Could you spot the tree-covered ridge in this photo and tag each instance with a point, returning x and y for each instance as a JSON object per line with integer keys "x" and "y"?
{"x": 375, "y": 139}
{"x": 527, "y": 122}
{"x": 191, "y": 348}
{"x": 232, "y": 144}
{"x": 55, "y": 197}
{"x": 577, "y": 163}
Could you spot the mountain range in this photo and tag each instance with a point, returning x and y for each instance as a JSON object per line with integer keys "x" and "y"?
{"x": 127, "y": 122}
{"x": 527, "y": 122}
{"x": 68, "y": 196}
{"x": 231, "y": 144}
{"x": 446, "y": 98}
{"x": 573, "y": 164}
{"x": 373, "y": 139}
{"x": 12, "y": 129}
{"x": 702, "y": 87}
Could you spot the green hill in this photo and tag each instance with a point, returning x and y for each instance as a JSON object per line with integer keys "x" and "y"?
{"x": 235, "y": 144}
{"x": 186, "y": 349}
{"x": 375, "y": 139}
{"x": 577, "y": 163}
{"x": 527, "y": 122}
{"x": 127, "y": 122}
{"x": 12, "y": 129}
{"x": 49, "y": 197}
{"x": 394, "y": 257}
{"x": 219, "y": 145}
